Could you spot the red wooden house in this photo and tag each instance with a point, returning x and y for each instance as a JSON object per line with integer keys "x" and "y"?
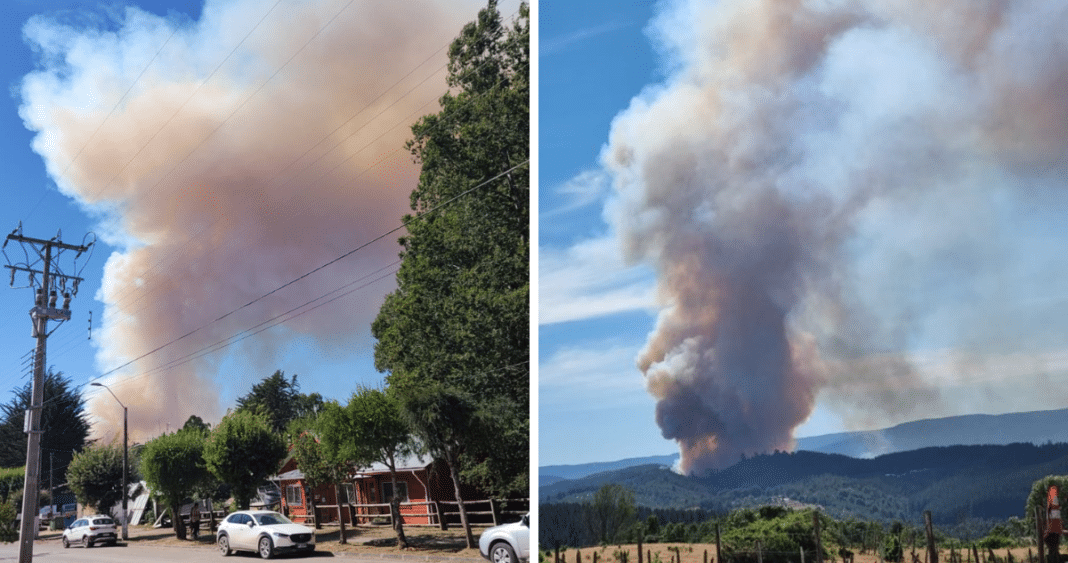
{"x": 420, "y": 483}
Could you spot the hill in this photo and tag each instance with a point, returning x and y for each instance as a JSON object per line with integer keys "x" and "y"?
{"x": 1037, "y": 427}
{"x": 956, "y": 483}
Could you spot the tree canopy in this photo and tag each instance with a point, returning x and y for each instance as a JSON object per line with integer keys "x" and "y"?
{"x": 242, "y": 451}
{"x": 95, "y": 476}
{"x": 63, "y": 421}
{"x": 173, "y": 465}
{"x": 460, "y": 314}
{"x": 370, "y": 428}
{"x": 279, "y": 400}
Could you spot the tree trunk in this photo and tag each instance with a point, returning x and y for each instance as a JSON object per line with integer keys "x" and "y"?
{"x": 394, "y": 511}
{"x": 340, "y": 516}
{"x": 310, "y": 495}
{"x": 454, "y": 472}
{"x": 177, "y": 522}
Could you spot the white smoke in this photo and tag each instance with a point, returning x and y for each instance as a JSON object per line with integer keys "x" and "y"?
{"x": 827, "y": 186}
{"x": 261, "y": 141}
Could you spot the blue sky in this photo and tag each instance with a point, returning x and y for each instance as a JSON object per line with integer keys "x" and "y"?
{"x": 218, "y": 150}
{"x": 795, "y": 220}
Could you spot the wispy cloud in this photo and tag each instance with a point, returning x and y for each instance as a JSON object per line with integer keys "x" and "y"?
{"x": 555, "y": 45}
{"x": 590, "y": 280}
{"x": 602, "y": 369}
{"x": 587, "y": 188}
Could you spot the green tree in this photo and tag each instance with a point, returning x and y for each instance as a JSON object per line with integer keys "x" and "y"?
{"x": 194, "y": 422}
{"x": 95, "y": 476}
{"x": 173, "y": 466}
{"x": 11, "y": 480}
{"x": 314, "y": 464}
{"x": 8, "y": 530}
{"x": 280, "y": 401}
{"x": 443, "y": 419}
{"x": 460, "y": 314}
{"x": 371, "y": 428}
{"x": 242, "y": 451}
{"x": 63, "y": 421}
{"x": 611, "y": 510}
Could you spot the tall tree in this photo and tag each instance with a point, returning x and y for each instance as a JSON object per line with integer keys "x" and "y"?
{"x": 173, "y": 465}
{"x": 371, "y": 428}
{"x": 444, "y": 420}
{"x": 460, "y": 314}
{"x": 63, "y": 421}
{"x": 95, "y": 476}
{"x": 611, "y": 510}
{"x": 242, "y": 451}
{"x": 280, "y": 401}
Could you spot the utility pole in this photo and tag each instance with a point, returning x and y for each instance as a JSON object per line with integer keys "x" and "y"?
{"x": 44, "y": 308}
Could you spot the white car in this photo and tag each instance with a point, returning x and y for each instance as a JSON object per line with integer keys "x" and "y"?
{"x": 90, "y": 530}
{"x": 264, "y": 532}
{"x": 508, "y": 543}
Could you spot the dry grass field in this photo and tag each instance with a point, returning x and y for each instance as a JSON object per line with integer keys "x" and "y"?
{"x": 706, "y": 553}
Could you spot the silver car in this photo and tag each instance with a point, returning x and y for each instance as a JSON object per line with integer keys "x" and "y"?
{"x": 90, "y": 530}
{"x": 264, "y": 532}
{"x": 508, "y": 543}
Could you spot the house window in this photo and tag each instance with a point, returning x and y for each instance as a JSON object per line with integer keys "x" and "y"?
{"x": 293, "y": 497}
{"x": 387, "y": 491}
{"x": 348, "y": 494}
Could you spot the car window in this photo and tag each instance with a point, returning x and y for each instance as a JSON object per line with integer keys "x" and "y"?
{"x": 269, "y": 519}
{"x": 234, "y": 518}
{"x": 78, "y": 523}
{"x": 103, "y": 521}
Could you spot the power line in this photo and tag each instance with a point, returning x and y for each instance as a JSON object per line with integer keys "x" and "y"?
{"x": 405, "y": 120}
{"x": 317, "y": 269}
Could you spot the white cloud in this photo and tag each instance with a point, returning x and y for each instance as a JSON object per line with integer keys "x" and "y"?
{"x": 596, "y": 373}
{"x": 561, "y": 43}
{"x": 590, "y": 280}
{"x": 588, "y": 187}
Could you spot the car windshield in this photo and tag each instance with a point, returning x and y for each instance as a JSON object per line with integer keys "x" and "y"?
{"x": 272, "y": 518}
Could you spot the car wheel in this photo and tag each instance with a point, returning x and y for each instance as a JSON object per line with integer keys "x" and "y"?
{"x": 66, "y": 542}
{"x": 86, "y": 542}
{"x": 224, "y": 545}
{"x": 266, "y": 547}
{"x": 501, "y": 552}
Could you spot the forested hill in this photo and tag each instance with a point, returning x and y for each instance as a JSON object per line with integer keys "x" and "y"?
{"x": 954, "y": 482}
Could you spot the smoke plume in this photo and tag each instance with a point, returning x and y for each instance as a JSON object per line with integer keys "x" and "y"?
{"x": 830, "y": 189}
{"x": 225, "y": 157}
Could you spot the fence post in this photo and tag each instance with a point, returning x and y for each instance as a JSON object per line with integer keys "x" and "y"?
{"x": 760, "y": 553}
{"x": 1040, "y": 527}
{"x": 816, "y": 527}
{"x": 578, "y": 556}
{"x": 719, "y": 553}
{"x": 495, "y": 510}
{"x": 440, "y": 512}
{"x": 932, "y": 554}
{"x": 641, "y": 532}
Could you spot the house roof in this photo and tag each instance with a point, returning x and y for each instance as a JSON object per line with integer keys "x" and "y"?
{"x": 405, "y": 464}
{"x": 288, "y": 476}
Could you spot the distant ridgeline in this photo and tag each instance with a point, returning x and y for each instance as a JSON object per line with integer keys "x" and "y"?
{"x": 956, "y": 483}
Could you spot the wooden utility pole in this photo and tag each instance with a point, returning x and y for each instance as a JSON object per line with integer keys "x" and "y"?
{"x": 816, "y": 530}
{"x": 44, "y": 309}
{"x": 932, "y": 555}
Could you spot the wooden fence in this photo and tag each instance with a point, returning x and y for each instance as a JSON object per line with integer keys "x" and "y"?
{"x": 438, "y": 514}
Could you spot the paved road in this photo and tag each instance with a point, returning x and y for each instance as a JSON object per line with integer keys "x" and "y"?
{"x": 50, "y": 550}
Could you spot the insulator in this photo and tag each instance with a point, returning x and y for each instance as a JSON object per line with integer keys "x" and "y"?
{"x": 52, "y": 299}
{"x": 66, "y": 301}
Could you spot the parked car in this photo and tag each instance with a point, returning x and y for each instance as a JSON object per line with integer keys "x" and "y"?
{"x": 264, "y": 532}
{"x": 508, "y": 543}
{"x": 90, "y": 530}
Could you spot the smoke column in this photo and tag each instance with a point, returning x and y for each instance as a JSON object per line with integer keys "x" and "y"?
{"x": 220, "y": 181}
{"x": 825, "y": 187}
